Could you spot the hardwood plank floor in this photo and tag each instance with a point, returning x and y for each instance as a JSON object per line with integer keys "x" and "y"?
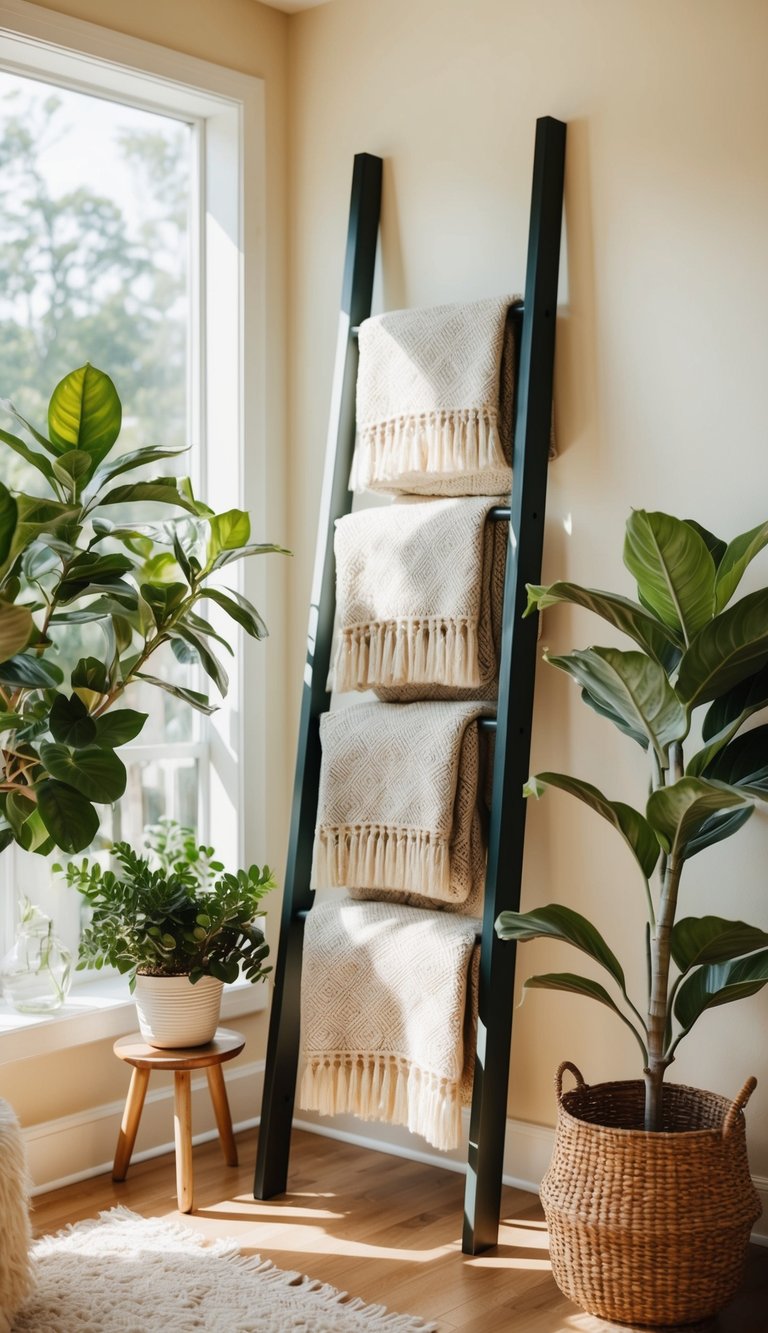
{"x": 380, "y": 1227}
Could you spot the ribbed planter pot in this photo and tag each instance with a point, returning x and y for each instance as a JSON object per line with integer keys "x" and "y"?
{"x": 174, "y": 1013}
{"x": 648, "y": 1228}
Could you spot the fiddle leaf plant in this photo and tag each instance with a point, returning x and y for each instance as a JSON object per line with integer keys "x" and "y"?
{"x": 78, "y": 559}
{"x": 691, "y": 649}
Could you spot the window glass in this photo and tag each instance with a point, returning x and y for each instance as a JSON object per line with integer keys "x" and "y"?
{"x": 95, "y": 204}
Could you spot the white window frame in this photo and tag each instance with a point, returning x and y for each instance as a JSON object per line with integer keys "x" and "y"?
{"x": 227, "y": 355}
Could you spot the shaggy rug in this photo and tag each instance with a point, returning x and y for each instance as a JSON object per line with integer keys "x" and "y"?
{"x": 134, "y": 1274}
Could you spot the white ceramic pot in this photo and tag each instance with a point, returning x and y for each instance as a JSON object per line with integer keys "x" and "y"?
{"x": 173, "y": 1013}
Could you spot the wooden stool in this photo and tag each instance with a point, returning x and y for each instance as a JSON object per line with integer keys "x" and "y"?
{"x": 134, "y": 1050}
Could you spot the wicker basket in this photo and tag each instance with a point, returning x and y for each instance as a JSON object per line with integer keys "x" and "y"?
{"x": 648, "y": 1228}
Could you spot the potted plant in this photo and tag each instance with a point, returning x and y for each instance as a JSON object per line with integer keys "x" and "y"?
{"x": 76, "y": 566}
{"x": 178, "y": 929}
{"x": 649, "y": 1199}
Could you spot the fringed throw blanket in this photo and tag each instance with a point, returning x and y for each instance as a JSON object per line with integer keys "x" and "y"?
{"x": 389, "y": 1011}
{"x": 419, "y": 589}
{"x": 398, "y": 805}
{"x": 435, "y": 392}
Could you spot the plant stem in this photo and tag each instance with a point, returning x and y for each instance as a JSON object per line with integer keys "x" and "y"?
{"x": 658, "y": 1006}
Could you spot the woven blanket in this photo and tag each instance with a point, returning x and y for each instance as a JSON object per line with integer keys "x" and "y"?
{"x": 419, "y": 593}
{"x": 435, "y": 392}
{"x": 399, "y": 796}
{"x": 389, "y": 1013}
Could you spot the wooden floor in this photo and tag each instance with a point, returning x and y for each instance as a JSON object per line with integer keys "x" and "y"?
{"x": 381, "y": 1228}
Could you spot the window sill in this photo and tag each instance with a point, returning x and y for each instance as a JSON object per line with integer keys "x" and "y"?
{"x": 97, "y": 1010}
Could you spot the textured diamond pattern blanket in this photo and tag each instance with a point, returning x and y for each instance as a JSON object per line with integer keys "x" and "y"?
{"x": 435, "y": 392}
{"x": 388, "y": 998}
{"x": 398, "y": 805}
{"x": 419, "y": 592}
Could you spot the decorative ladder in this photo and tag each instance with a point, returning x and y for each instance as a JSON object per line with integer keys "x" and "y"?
{"x": 525, "y": 518}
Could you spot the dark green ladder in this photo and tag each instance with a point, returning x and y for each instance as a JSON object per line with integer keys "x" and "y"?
{"x": 525, "y": 517}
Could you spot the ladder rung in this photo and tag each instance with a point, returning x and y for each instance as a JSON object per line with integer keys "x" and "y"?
{"x": 486, "y": 723}
{"x": 499, "y": 514}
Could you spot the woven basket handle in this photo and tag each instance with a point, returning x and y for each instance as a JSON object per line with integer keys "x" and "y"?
{"x": 738, "y": 1105}
{"x": 576, "y": 1074}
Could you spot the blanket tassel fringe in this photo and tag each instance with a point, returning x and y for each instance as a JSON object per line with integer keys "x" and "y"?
{"x": 369, "y": 856}
{"x": 449, "y": 442}
{"x": 411, "y": 651}
{"x": 383, "y": 1087}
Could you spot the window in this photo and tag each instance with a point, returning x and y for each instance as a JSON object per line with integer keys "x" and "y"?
{"x": 129, "y": 236}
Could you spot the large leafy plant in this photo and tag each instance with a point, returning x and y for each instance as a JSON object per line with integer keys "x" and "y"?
{"x": 187, "y": 917}
{"x": 74, "y": 559}
{"x": 692, "y": 650}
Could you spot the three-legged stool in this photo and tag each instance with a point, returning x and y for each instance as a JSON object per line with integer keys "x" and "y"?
{"x": 134, "y": 1051}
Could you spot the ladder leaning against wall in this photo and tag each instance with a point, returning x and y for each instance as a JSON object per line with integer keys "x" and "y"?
{"x": 525, "y": 521}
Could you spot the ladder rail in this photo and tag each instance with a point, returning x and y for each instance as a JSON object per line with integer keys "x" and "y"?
{"x": 336, "y": 500}
{"x": 506, "y": 832}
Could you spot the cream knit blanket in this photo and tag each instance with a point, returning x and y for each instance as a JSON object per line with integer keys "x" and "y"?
{"x": 389, "y": 1012}
{"x": 419, "y": 593}
{"x": 435, "y": 391}
{"x": 398, "y": 803}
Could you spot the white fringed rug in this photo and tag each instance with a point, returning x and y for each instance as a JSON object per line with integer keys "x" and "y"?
{"x": 134, "y": 1274}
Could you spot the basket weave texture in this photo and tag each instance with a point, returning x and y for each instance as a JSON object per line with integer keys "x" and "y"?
{"x": 648, "y": 1228}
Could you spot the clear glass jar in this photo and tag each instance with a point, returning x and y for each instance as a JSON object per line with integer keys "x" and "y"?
{"x": 36, "y": 973}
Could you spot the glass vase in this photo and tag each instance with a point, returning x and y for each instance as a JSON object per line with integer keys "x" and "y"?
{"x": 35, "y": 973}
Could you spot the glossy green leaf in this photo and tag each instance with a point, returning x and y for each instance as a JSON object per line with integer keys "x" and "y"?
{"x": 31, "y": 456}
{"x": 91, "y": 673}
{"x": 34, "y": 518}
{"x": 163, "y": 598}
{"x": 560, "y": 923}
{"x": 228, "y": 532}
{"x": 71, "y": 722}
{"x": 92, "y": 569}
{"x": 69, "y": 817}
{"x": 712, "y": 939}
{"x": 662, "y": 643}
{"x": 135, "y": 458}
{"x": 29, "y": 670}
{"x": 675, "y": 572}
{"x": 97, "y": 774}
{"x": 73, "y": 469}
{"x": 733, "y": 707}
{"x": 259, "y": 548}
{"x": 18, "y": 809}
{"x": 574, "y": 984}
{"x": 633, "y": 827}
{"x": 34, "y": 432}
{"x": 715, "y": 545}
{"x": 743, "y": 763}
{"x": 8, "y": 520}
{"x": 10, "y": 721}
{"x": 85, "y": 413}
{"x": 611, "y": 715}
{"x": 16, "y": 627}
{"x": 193, "y": 697}
{"x": 118, "y": 727}
{"x": 209, "y": 662}
{"x": 679, "y": 811}
{"x": 240, "y": 609}
{"x": 163, "y": 490}
{"x": 717, "y": 829}
{"x": 739, "y": 553}
{"x": 634, "y": 687}
{"x": 730, "y": 648}
{"x": 719, "y": 983}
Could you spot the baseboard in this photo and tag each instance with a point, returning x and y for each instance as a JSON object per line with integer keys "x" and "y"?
{"x": 76, "y": 1147}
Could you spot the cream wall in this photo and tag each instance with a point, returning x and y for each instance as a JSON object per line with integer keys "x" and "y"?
{"x": 661, "y": 393}
{"x": 246, "y": 36}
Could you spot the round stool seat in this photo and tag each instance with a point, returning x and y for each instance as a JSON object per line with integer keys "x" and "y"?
{"x": 143, "y": 1058}
{"x": 136, "y": 1051}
